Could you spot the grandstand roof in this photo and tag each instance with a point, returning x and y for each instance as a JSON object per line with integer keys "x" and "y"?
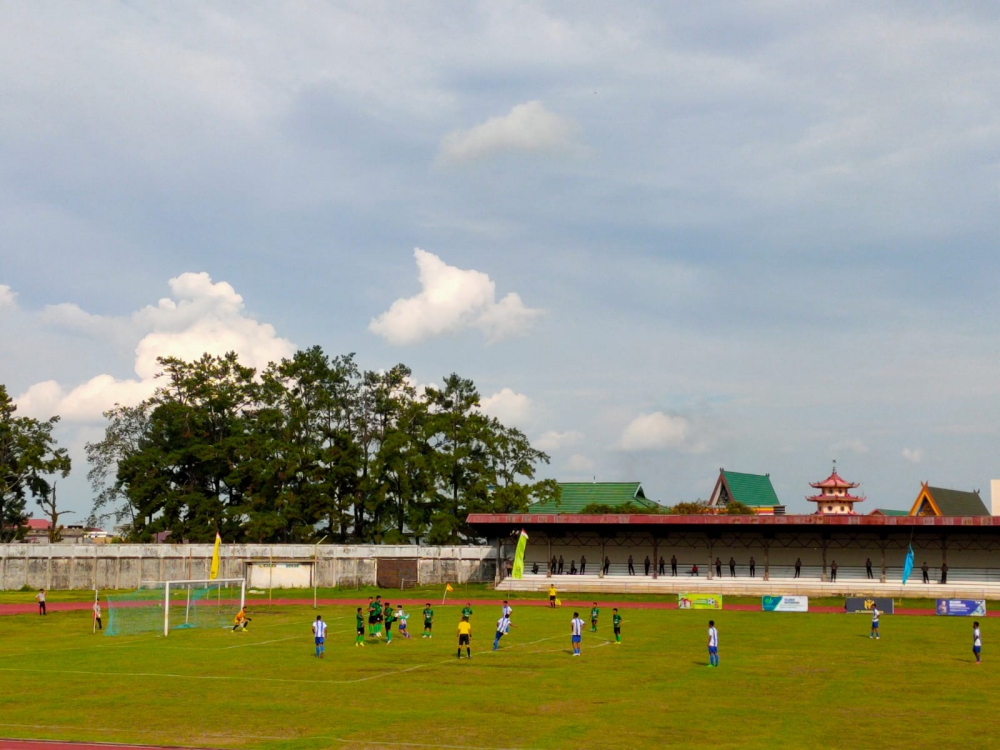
{"x": 575, "y": 496}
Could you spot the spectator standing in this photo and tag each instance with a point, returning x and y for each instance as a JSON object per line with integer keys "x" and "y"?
{"x": 583, "y": 565}
{"x": 631, "y": 566}
{"x": 561, "y": 563}
{"x": 645, "y": 565}
{"x": 673, "y": 565}
{"x": 833, "y": 571}
{"x": 607, "y": 565}
{"x": 944, "y": 572}
{"x": 718, "y": 568}
{"x": 732, "y": 567}
{"x": 40, "y": 598}
{"x": 798, "y": 566}
{"x": 868, "y": 568}
{"x": 925, "y": 570}
{"x": 662, "y": 566}
{"x": 752, "y": 567}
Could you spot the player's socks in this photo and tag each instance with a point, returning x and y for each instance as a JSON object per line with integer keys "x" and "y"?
{"x": 459, "y": 652}
{"x": 468, "y": 652}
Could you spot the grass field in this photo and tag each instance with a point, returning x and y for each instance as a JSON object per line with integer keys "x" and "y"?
{"x": 785, "y": 681}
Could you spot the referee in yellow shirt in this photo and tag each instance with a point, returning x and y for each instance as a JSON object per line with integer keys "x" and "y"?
{"x": 464, "y": 637}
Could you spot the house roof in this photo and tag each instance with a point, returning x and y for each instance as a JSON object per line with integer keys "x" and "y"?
{"x": 753, "y": 490}
{"x": 834, "y": 481}
{"x": 39, "y": 524}
{"x": 575, "y": 496}
{"x": 957, "y": 502}
{"x": 888, "y": 512}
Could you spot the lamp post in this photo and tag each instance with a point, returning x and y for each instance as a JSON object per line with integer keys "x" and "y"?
{"x": 316, "y": 568}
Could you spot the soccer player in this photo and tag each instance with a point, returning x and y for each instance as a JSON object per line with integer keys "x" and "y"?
{"x": 241, "y": 621}
{"x": 977, "y": 641}
{"x": 428, "y": 621}
{"x": 464, "y": 637}
{"x": 319, "y": 635}
{"x": 616, "y": 621}
{"x": 875, "y": 615}
{"x": 576, "y": 625}
{"x": 378, "y": 617}
{"x": 402, "y": 617}
{"x": 594, "y": 613}
{"x": 371, "y": 617}
{"x": 40, "y": 598}
{"x": 389, "y": 618}
{"x": 467, "y": 611}
{"x": 506, "y": 610}
{"x": 359, "y": 639}
{"x": 552, "y": 595}
{"x": 503, "y": 626}
{"x": 713, "y": 644}
{"x": 97, "y": 615}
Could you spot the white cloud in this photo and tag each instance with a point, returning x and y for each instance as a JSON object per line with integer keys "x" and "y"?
{"x": 510, "y": 408}
{"x": 553, "y": 441}
{"x": 201, "y": 316}
{"x": 656, "y": 431}
{"x": 452, "y": 299}
{"x": 528, "y": 127}
{"x": 913, "y": 455}
{"x": 855, "y": 445}
{"x": 8, "y": 298}
{"x": 579, "y": 464}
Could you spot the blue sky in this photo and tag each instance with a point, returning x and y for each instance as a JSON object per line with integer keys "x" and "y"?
{"x": 759, "y": 235}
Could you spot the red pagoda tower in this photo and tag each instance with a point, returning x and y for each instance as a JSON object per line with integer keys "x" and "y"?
{"x": 834, "y": 496}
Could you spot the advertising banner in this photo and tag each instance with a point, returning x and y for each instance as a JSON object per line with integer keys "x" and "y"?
{"x": 699, "y": 601}
{"x": 865, "y": 604}
{"x": 785, "y": 604}
{"x": 962, "y": 607}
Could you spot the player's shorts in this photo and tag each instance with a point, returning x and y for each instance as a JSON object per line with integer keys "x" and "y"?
{"x": 976, "y": 649}
{"x": 500, "y": 634}
{"x": 713, "y": 650}
{"x": 463, "y": 640}
{"x": 428, "y": 625}
{"x": 371, "y": 619}
{"x": 577, "y": 638}
{"x": 874, "y": 626}
{"x": 319, "y": 641}
{"x": 378, "y": 618}
{"x": 388, "y": 626}
{"x": 361, "y": 630}
{"x": 618, "y": 630}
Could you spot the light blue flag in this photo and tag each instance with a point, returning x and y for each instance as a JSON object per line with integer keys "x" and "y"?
{"x": 908, "y": 565}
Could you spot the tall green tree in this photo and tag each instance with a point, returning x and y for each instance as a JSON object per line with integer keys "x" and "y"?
{"x": 29, "y": 456}
{"x": 124, "y": 436}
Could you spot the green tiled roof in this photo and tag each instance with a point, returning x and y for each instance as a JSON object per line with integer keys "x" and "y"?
{"x": 575, "y": 496}
{"x": 753, "y": 490}
{"x": 958, "y": 503}
{"x": 891, "y": 512}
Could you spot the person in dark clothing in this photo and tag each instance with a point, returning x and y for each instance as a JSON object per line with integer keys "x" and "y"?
{"x": 868, "y": 568}
{"x": 833, "y": 571}
{"x": 572, "y": 567}
{"x": 752, "y": 567}
{"x": 732, "y": 567}
{"x": 631, "y": 566}
{"x": 718, "y": 568}
{"x": 662, "y": 566}
{"x": 925, "y": 570}
{"x": 554, "y": 564}
{"x": 583, "y": 565}
{"x": 798, "y": 566}
{"x": 645, "y": 565}
{"x": 944, "y": 572}
{"x": 607, "y": 565}
{"x": 673, "y": 565}
{"x": 561, "y": 563}
{"x": 534, "y": 569}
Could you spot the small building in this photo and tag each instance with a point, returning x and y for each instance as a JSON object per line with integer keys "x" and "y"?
{"x": 835, "y": 496}
{"x": 575, "y": 496}
{"x": 753, "y": 490}
{"x": 938, "y": 501}
{"x": 888, "y": 512}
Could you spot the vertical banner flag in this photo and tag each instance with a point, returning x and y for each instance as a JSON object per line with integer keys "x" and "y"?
{"x": 215, "y": 558}
{"x": 908, "y": 565}
{"x": 518, "y": 570}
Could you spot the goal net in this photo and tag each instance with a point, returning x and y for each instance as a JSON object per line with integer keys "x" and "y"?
{"x": 166, "y": 605}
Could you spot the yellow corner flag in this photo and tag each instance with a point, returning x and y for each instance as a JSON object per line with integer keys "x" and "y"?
{"x": 558, "y": 602}
{"x": 215, "y": 558}
{"x": 448, "y": 587}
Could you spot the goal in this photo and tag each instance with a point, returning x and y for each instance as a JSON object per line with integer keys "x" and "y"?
{"x": 198, "y": 603}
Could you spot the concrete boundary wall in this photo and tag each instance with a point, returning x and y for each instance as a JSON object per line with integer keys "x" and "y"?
{"x": 123, "y": 566}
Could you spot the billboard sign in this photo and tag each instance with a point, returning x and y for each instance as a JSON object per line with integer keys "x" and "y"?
{"x": 962, "y": 607}
{"x": 865, "y": 604}
{"x": 699, "y": 601}
{"x": 785, "y": 603}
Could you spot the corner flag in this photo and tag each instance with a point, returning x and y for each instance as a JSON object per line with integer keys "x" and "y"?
{"x": 215, "y": 558}
{"x": 908, "y": 565}
{"x": 518, "y": 570}
{"x": 448, "y": 587}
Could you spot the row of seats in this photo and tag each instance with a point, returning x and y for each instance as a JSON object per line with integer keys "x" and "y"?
{"x": 811, "y": 572}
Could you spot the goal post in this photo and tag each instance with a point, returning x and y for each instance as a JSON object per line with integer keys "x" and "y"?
{"x": 201, "y": 585}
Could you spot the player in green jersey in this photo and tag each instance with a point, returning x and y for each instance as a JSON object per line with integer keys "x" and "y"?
{"x": 389, "y": 618}
{"x": 594, "y": 614}
{"x": 360, "y": 638}
{"x": 467, "y": 611}
{"x": 378, "y": 616}
{"x": 428, "y": 621}
{"x": 371, "y": 617}
{"x": 616, "y": 620}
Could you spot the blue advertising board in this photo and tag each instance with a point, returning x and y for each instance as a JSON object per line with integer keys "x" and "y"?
{"x": 962, "y": 607}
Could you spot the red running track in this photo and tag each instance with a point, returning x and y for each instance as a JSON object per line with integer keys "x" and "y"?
{"x": 26, "y": 609}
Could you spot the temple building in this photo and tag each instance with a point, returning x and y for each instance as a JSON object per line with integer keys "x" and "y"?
{"x": 938, "y": 501}
{"x": 834, "y": 496}
{"x": 753, "y": 490}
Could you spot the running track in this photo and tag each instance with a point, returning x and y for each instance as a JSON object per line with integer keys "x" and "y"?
{"x": 27, "y": 609}
{"x": 56, "y": 745}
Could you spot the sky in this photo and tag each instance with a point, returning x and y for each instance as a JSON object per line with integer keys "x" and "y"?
{"x": 661, "y": 240}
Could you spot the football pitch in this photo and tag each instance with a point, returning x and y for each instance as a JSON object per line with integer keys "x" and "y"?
{"x": 785, "y": 681}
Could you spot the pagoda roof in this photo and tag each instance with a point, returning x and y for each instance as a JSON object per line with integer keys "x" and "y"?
{"x": 836, "y": 498}
{"x": 834, "y": 480}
